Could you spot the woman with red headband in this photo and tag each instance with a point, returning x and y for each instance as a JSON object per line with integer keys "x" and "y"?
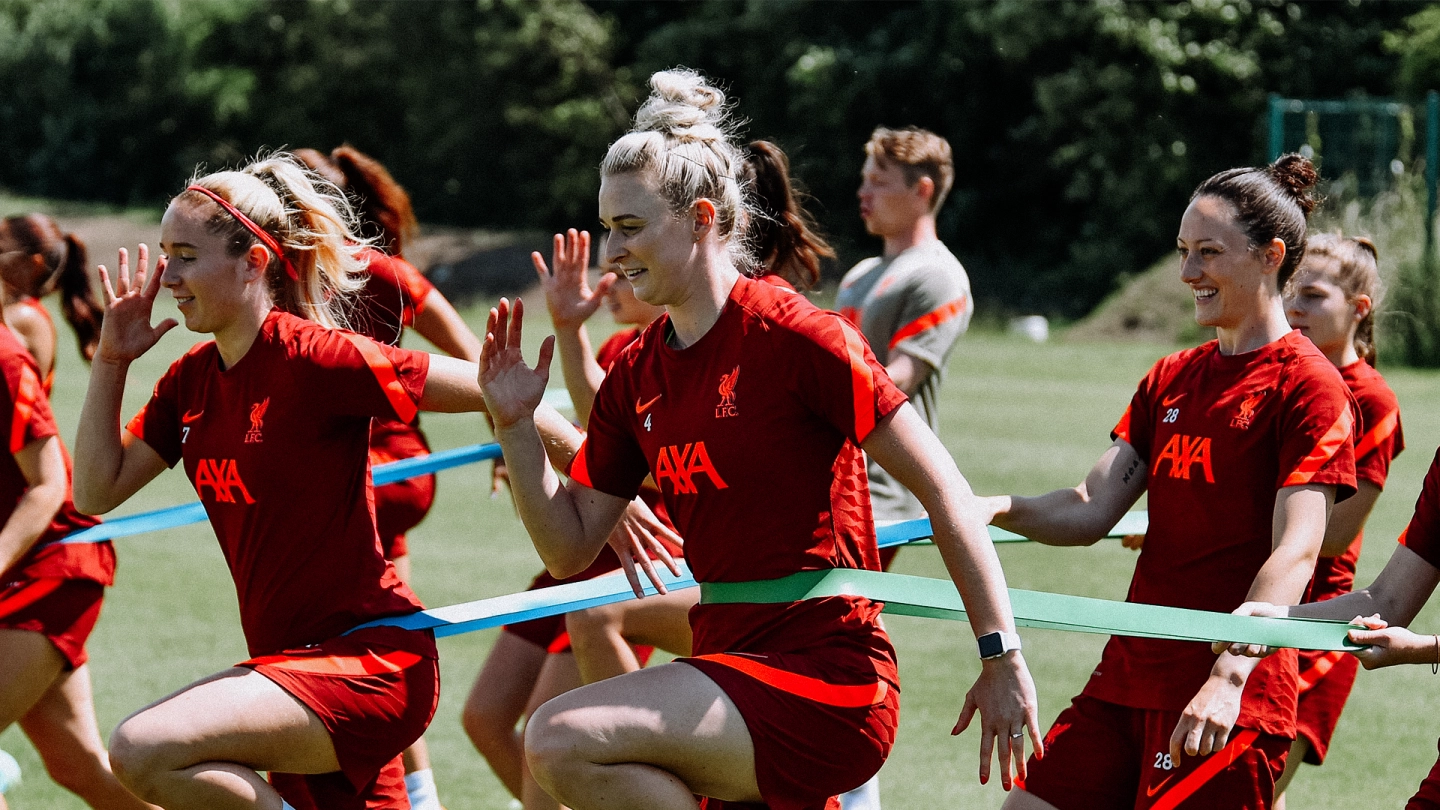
{"x": 264, "y": 259}
{"x": 50, "y": 591}
{"x": 395, "y": 296}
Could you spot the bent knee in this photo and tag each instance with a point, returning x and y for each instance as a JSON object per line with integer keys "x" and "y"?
{"x": 553, "y": 744}
{"x": 487, "y": 727}
{"x": 593, "y": 622}
{"x": 138, "y": 756}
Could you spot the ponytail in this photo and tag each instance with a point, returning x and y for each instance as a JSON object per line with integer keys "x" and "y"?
{"x": 77, "y": 300}
{"x": 782, "y": 232}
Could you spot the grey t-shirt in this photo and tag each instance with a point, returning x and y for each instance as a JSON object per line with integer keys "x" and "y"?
{"x": 917, "y": 302}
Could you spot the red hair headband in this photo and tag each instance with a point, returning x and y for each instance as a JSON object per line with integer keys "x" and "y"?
{"x": 265, "y": 239}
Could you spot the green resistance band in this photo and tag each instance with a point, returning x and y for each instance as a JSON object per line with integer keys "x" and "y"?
{"x": 938, "y": 599}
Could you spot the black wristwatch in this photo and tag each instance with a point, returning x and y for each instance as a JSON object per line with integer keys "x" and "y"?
{"x": 994, "y": 645}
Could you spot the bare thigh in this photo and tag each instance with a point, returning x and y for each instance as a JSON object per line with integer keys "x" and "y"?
{"x": 671, "y": 717}
{"x": 237, "y": 715}
{"x": 29, "y": 664}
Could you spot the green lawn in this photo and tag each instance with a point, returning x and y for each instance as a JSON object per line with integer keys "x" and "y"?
{"x": 1019, "y": 418}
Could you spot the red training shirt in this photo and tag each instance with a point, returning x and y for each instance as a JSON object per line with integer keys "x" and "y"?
{"x": 1381, "y": 441}
{"x": 1422, "y": 536}
{"x": 606, "y": 355}
{"x": 1221, "y": 436}
{"x": 394, "y": 293}
{"x": 23, "y": 397}
{"x": 276, "y": 447}
{"x": 753, "y": 435}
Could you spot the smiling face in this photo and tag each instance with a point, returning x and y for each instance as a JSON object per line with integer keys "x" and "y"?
{"x": 1228, "y": 276}
{"x": 210, "y": 285}
{"x": 1320, "y": 309}
{"x": 647, "y": 244}
{"x": 888, "y": 205}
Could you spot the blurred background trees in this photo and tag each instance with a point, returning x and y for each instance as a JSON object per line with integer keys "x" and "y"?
{"x": 1080, "y": 128}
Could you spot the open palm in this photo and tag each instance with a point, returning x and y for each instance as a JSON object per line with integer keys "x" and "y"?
{"x": 567, "y": 289}
{"x": 512, "y": 389}
{"x": 125, "y": 332}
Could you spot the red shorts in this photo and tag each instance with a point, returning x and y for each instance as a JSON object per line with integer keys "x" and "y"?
{"x": 822, "y": 721}
{"x": 62, "y": 610}
{"x": 375, "y": 690}
{"x": 333, "y": 791}
{"x": 1428, "y": 796}
{"x": 1325, "y": 682}
{"x": 1102, "y": 755}
{"x": 399, "y": 507}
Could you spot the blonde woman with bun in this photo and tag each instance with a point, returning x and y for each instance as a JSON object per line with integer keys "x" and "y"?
{"x": 749, "y": 407}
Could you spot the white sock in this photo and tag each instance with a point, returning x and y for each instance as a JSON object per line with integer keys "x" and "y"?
{"x": 865, "y": 797}
{"x": 421, "y": 787}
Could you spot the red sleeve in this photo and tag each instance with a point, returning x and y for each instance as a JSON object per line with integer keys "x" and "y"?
{"x": 1381, "y": 440}
{"x": 1317, "y": 429}
{"x": 613, "y": 345}
{"x": 610, "y": 460}
{"x": 839, "y": 379}
{"x": 1422, "y": 536}
{"x": 361, "y": 377}
{"x": 1135, "y": 425}
{"x": 158, "y": 423}
{"x": 30, "y": 417}
{"x": 417, "y": 287}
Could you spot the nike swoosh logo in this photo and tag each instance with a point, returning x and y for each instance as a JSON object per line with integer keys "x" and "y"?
{"x": 643, "y": 408}
{"x": 1151, "y": 791}
{"x": 1168, "y": 401}
{"x": 191, "y": 417}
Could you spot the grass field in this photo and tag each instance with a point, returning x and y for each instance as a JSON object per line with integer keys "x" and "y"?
{"x": 1019, "y": 417}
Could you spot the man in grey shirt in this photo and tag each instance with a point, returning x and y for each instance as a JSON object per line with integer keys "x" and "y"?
{"x": 913, "y": 301}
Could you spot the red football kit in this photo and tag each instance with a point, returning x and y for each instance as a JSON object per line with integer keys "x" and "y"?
{"x": 752, "y": 435}
{"x": 1422, "y": 536}
{"x": 276, "y": 447}
{"x": 54, "y": 589}
{"x": 550, "y": 632}
{"x": 1221, "y": 435}
{"x": 35, "y": 305}
{"x": 393, "y": 295}
{"x": 1327, "y": 677}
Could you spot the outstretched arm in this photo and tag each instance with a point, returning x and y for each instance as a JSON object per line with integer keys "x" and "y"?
{"x": 1084, "y": 514}
{"x": 110, "y": 463}
{"x": 1004, "y": 694}
{"x": 43, "y": 465}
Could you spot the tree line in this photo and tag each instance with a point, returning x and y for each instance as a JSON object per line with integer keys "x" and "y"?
{"x": 1079, "y": 128}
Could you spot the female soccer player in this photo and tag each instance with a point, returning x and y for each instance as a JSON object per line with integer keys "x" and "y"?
{"x": 36, "y": 258}
{"x": 1243, "y": 445}
{"x": 1332, "y": 301}
{"x": 272, "y": 422}
{"x": 746, "y": 404}
{"x": 395, "y": 296}
{"x": 50, "y": 592}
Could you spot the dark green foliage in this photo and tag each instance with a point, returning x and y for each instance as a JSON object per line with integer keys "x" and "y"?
{"x": 1080, "y": 128}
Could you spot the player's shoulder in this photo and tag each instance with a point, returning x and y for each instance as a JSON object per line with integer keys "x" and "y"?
{"x": 1305, "y": 366}
{"x": 1172, "y": 365}
{"x": 858, "y": 271}
{"x": 1369, "y": 388}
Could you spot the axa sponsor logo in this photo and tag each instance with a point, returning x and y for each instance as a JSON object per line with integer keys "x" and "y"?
{"x": 727, "y": 395}
{"x": 684, "y": 466}
{"x": 1184, "y": 453}
{"x": 257, "y": 421}
{"x": 222, "y": 477}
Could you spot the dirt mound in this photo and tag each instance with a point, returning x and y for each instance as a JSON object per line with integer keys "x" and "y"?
{"x": 1151, "y": 307}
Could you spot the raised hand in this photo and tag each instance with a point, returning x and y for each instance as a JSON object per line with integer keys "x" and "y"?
{"x": 512, "y": 390}
{"x": 567, "y": 288}
{"x": 635, "y": 538}
{"x": 1004, "y": 698}
{"x": 125, "y": 332}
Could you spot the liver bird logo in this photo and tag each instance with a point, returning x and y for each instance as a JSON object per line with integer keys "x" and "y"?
{"x": 257, "y": 421}
{"x": 1246, "y": 414}
{"x": 727, "y": 395}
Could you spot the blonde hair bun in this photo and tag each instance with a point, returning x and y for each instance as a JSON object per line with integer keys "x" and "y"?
{"x": 683, "y": 105}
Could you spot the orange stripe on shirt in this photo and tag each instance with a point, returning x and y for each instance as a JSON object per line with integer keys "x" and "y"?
{"x": 1218, "y": 761}
{"x": 25, "y": 398}
{"x": 1325, "y": 449}
{"x": 579, "y": 473}
{"x": 844, "y": 696}
{"x": 1382, "y": 431}
{"x": 928, "y": 321}
{"x": 1319, "y": 670}
{"x": 384, "y": 372}
{"x": 862, "y": 382}
{"x": 352, "y": 665}
{"x": 28, "y": 594}
{"x": 1122, "y": 430}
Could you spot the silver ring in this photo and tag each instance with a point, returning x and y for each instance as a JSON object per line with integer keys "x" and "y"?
{"x": 1017, "y": 735}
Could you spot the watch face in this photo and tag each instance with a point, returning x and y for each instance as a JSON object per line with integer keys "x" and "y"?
{"x": 992, "y": 645}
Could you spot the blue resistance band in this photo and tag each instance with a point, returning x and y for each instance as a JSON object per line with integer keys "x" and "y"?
{"x": 186, "y": 514}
